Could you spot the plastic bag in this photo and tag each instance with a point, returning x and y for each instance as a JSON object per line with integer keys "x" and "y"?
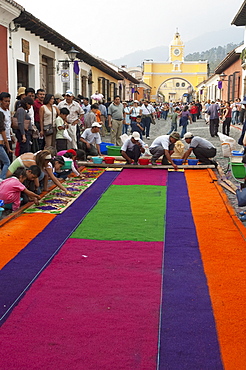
{"x": 124, "y": 137}
{"x": 226, "y": 150}
{"x": 241, "y": 197}
{"x": 228, "y": 144}
{"x": 66, "y": 135}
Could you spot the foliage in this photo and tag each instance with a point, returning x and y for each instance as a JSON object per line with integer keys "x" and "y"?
{"x": 243, "y": 54}
{"x": 214, "y": 55}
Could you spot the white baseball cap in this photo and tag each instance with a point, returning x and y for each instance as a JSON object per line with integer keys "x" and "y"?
{"x": 188, "y": 135}
{"x": 96, "y": 124}
{"x": 136, "y": 135}
{"x": 69, "y": 92}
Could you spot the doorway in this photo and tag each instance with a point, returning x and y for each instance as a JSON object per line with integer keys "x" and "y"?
{"x": 22, "y": 75}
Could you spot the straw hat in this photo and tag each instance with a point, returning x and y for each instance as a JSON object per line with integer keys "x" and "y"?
{"x": 21, "y": 91}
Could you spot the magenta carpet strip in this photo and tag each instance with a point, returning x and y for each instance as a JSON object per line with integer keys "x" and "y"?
{"x": 96, "y": 306}
{"x": 188, "y": 337}
{"x": 17, "y": 276}
{"x": 142, "y": 177}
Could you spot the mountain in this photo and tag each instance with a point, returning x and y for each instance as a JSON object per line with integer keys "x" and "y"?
{"x": 214, "y": 55}
{"x": 198, "y": 44}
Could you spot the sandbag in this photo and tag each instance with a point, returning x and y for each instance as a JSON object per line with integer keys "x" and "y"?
{"x": 228, "y": 144}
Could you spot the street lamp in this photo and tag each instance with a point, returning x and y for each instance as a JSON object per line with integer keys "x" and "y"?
{"x": 223, "y": 76}
{"x": 72, "y": 53}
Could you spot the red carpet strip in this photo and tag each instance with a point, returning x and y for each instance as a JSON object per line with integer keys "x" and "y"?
{"x": 96, "y": 306}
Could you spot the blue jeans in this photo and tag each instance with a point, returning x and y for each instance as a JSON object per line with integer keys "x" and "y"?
{"x": 165, "y": 114}
{"x": 173, "y": 128}
{"x": 5, "y": 161}
{"x": 184, "y": 130}
{"x": 125, "y": 128}
{"x": 234, "y": 118}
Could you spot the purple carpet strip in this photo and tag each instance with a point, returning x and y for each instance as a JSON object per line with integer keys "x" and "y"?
{"x": 188, "y": 337}
{"x": 18, "y": 275}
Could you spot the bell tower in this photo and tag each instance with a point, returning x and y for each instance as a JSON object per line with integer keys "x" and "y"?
{"x": 176, "y": 51}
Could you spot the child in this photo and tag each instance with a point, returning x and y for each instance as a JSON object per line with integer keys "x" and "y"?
{"x": 174, "y": 121}
{"x": 61, "y": 125}
{"x": 75, "y": 155}
{"x": 11, "y": 188}
{"x": 137, "y": 126}
{"x": 52, "y": 166}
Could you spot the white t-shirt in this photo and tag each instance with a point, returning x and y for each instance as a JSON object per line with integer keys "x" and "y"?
{"x": 163, "y": 141}
{"x": 128, "y": 145}
{"x": 147, "y": 110}
{"x": 7, "y": 122}
{"x": 90, "y": 137}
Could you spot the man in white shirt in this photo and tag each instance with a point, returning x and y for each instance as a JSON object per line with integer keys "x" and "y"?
{"x": 147, "y": 112}
{"x": 164, "y": 146}
{"x": 91, "y": 140}
{"x": 76, "y": 112}
{"x": 132, "y": 148}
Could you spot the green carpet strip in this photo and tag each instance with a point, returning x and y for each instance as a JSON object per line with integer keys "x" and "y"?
{"x": 126, "y": 213}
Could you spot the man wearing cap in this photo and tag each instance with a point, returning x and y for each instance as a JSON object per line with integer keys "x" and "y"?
{"x": 132, "y": 148}
{"x": 164, "y": 146}
{"x": 202, "y": 149}
{"x": 91, "y": 140}
{"x": 58, "y": 98}
{"x": 116, "y": 118}
{"x": 76, "y": 113}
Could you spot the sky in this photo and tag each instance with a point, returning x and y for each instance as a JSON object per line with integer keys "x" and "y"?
{"x": 112, "y": 29}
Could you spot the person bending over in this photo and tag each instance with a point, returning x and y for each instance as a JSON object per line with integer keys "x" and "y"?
{"x": 164, "y": 146}
{"x": 11, "y": 188}
{"x": 202, "y": 149}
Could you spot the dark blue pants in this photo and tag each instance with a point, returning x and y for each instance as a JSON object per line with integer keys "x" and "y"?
{"x": 146, "y": 125}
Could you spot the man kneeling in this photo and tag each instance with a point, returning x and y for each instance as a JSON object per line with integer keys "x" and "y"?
{"x": 132, "y": 148}
{"x": 202, "y": 148}
{"x": 91, "y": 140}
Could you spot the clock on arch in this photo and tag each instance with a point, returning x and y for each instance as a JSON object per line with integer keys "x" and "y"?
{"x": 176, "y": 52}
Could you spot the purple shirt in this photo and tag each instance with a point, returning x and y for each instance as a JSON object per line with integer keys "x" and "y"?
{"x": 213, "y": 111}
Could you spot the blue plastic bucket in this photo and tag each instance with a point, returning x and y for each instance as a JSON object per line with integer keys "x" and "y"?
{"x": 192, "y": 162}
{"x": 178, "y": 161}
{"x": 103, "y": 147}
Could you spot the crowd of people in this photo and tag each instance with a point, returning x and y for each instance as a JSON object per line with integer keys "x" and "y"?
{"x": 49, "y": 130}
